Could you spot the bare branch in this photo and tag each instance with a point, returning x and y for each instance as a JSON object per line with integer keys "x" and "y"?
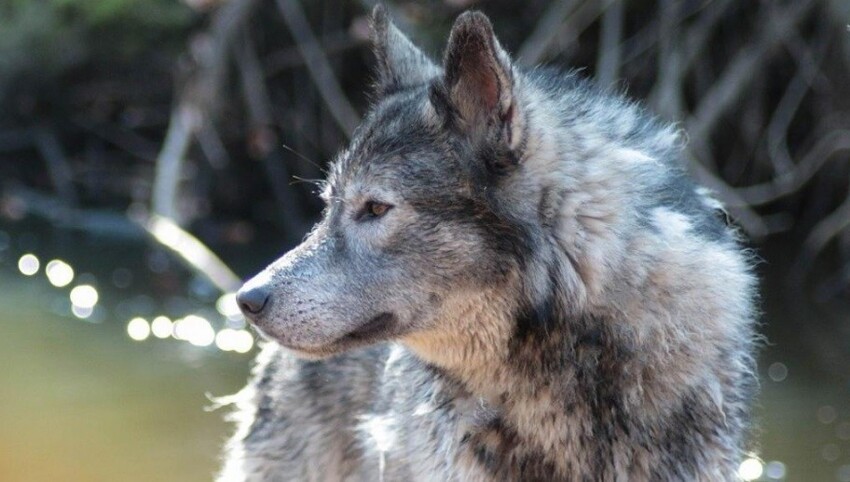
{"x": 261, "y": 137}
{"x": 699, "y": 34}
{"x": 795, "y": 92}
{"x": 318, "y": 66}
{"x": 212, "y": 146}
{"x": 567, "y": 17}
{"x": 790, "y": 181}
{"x": 57, "y": 164}
{"x": 198, "y": 100}
{"x": 545, "y": 31}
{"x": 60, "y": 213}
{"x": 192, "y": 252}
{"x": 827, "y": 229}
{"x": 749, "y": 220}
{"x": 121, "y": 137}
{"x": 169, "y": 162}
{"x": 610, "y": 41}
{"x": 667, "y": 93}
{"x": 741, "y": 70}
{"x": 287, "y": 58}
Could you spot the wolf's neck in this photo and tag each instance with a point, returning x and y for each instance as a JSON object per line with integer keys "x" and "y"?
{"x": 476, "y": 344}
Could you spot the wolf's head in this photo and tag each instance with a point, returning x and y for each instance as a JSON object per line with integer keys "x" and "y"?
{"x": 416, "y": 207}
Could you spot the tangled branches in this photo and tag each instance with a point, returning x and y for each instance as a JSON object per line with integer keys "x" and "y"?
{"x": 761, "y": 88}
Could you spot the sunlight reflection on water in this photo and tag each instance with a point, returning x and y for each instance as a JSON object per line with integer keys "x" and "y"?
{"x": 28, "y": 264}
{"x": 59, "y": 273}
{"x": 193, "y": 328}
{"x": 750, "y": 469}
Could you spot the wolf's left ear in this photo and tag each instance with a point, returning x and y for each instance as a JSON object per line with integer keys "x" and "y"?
{"x": 400, "y": 63}
{"x": 478, "y": 74}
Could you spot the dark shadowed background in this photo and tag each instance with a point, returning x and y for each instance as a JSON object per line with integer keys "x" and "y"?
{"x": 155, "y": 152}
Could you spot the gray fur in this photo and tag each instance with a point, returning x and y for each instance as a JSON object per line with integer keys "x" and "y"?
{"x": 548, "y": 298}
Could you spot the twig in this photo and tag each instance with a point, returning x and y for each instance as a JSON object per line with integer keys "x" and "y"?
{"x": 610, "y": 40}
{"x": 122, "y": 138}
{"x": 287, "y": 58}
{"x": 641, "y": 42}
{"x": 212, "y": 146}
{"x": 667, "y": 93}
{"x": 193, "y": 252}
{"x": 749, "y": 220}
{"x": 795, "y": 92}
{"x": 545, "y": 31}
{"x": 790, "y": 181}
{"x": 263, "y": 139}
{"x": 169, "y": 162}
{"x": 740, "y": 71}
{"x": 318, "y": 66}
{"x": 828, "y": 228}
{"x": 57, "y": 164}
{"x": 59, "y": 213}
{"x": 699, "y": 34}
{"x": 197, "y": 101}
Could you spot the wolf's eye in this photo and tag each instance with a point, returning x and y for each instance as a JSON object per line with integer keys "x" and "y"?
{"x": 374, "y": 209}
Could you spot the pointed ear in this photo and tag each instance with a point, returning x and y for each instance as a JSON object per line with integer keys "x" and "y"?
{"x": 400, "y": 63}
{"x": 478, "y": 74}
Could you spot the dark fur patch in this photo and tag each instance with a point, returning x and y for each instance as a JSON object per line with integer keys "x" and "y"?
{"x": 498, "y": 449}
{"x": 377, "y": 328}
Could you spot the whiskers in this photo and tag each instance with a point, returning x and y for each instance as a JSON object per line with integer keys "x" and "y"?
{"x": 305, "y": 158}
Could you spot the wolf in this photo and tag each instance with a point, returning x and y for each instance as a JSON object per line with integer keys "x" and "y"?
{"x": 513, "y": 279}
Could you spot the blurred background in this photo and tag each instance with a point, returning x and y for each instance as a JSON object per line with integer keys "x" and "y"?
{"x": 155, "y": 152}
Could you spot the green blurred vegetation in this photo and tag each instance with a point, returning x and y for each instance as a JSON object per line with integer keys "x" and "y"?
{"x": 41, "y": 39}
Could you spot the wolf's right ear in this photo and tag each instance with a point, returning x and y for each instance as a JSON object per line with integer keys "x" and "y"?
{"x": 479, "y": 78}
{"x": 400, "y": 63}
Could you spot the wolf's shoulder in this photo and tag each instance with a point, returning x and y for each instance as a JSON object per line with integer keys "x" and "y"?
{"x": 614, "y": 140}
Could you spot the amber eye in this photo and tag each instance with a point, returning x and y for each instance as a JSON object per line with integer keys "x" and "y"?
{"x": 374, "y": 209}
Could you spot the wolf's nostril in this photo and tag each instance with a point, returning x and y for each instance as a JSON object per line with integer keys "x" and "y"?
{"x": 252, "y": 301}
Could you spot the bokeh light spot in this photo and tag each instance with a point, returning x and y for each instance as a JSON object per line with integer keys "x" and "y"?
{"x": 239, "y": 341}
{"x": 243, "y": 341}
{"x": 84, "y": 296}
{"x": 82, "y": 312}
{"x": 750, "y": 469}
{"x": 138, "y": 329}
{"x": 194, "y": 329}
{"x": 775, "y": 470}
{"x": 28, "y": 264}
{"x": 59, "y": 273}
{"x": 122, "y": 278}
{"x": 161, "y": 327}
{"x": 843, "y": 473}
{"x": 228, "y": 307}
{"x": 830, "y": 452}
{"x": 777, "y": 371}
{"x": 827, "y": 414}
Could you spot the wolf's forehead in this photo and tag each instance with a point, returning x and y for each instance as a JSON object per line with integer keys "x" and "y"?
{"x": 397, "y": 137}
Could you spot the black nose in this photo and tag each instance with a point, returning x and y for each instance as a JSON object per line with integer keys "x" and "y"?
{"x": 253, "y": 300}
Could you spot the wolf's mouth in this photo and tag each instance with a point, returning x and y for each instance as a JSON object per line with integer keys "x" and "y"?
{"x": 379, "y": 328}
